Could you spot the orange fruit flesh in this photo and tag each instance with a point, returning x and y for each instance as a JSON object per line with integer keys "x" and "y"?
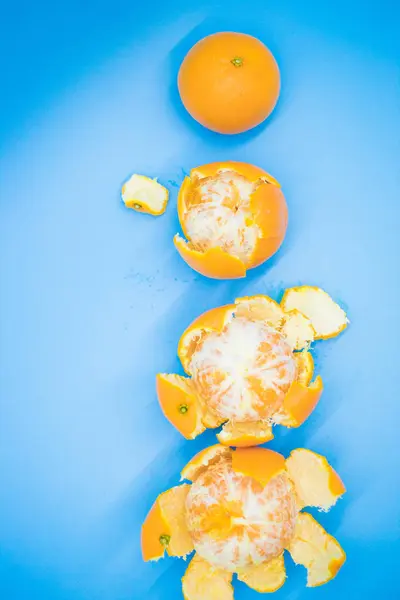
{"x": 217, "y": 214}
{"x": 236, "y": 208}
{"x": 316, "y": 482}
{"x": 235, "y": 521}
{"x": 316, "y": 550}
{"x": 243, "y": 372}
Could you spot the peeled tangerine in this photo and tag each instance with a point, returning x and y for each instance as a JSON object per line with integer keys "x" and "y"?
{"x": 239, "y": 514}
{"x": 250, "y": 367}
{"x": 234, "y": 217}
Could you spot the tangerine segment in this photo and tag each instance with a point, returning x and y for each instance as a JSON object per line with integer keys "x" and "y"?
{"x": 316, "y": 550}
{"x": 326, "y": 316}
{"x": 299, "y": 403}
{"x": 145, "y": 195}
{"x": 305, "y": 367}
{"x": 202, "y": 460}
{"x": 316, "y": 482}
{"x": 259, "y": 463}
{"x": 260, "y": 308}
{"x": 266, "y": 577}
{"x": 243, "y": 372}
{"x": 243, "y": 435}
{"x": 212, "y": 320}
{"x": 202, "y": 581}
{"x": 235, "y": 521}
{"x": 298, "y": 330}
{"x": 213, "y": 263}
{"x": 179, "y": 404}
{"x": 164, "y": 528}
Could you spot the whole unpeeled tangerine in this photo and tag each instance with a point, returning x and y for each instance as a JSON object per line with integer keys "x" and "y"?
{"x": 229, "y": 82}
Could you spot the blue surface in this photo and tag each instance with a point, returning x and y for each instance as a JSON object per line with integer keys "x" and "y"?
{"x": 94, "y": 297}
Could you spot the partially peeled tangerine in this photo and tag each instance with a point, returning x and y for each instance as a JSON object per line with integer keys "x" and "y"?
{"x": 249, "y": 366}
{"x": 234, "y": 217}
{"x": 239, "y": 513}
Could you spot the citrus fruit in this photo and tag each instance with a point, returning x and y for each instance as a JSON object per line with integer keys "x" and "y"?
{"x": 234, "y": 216}
{"x": 229, "y": 82}
{"x": 249, "y": 367}
{"x": 241, "y": 512}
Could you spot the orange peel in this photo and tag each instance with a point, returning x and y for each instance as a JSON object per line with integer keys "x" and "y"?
{"x": 199, "y": 463}
{"x": 214, "y": 319}
{"x": 261, "y": 464}
{"x": 214, "y": 263}
{"x": 299, "y": 403}
{"x": 145, "y": 195}
{"x": 164, "y": 529}
{"x": 298, "y": 330}
{"x": 305, "y": 367}
{"x": 234, "y": 216}
{"x": 316, "y": 550}
{"x": 316, "y": 482}
{"x": 240, "y": 514}
{"x": 326, "y": 316}
{"x": 260, "y": 308}
{"x": 266, "y": 577}
{"x": 202, "y": 581}
{"x": 180, "y": 404}
{"x": 243, "y": 435}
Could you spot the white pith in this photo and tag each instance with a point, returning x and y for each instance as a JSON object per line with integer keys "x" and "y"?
{"x": 211, "y": 223}
{"x": 235, "y": 356}
{"x": 140, "y": 189}
{"x": 259, "y": 532}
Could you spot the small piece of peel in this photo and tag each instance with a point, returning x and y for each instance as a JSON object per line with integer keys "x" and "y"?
{"x": 145, "y": 195}
{"x": 326, "y": 316}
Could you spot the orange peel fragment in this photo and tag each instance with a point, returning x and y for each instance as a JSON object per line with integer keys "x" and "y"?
{"x": 214, "y": 319}
{"x": 145, "y": 195}
{"x": 214, "y": 263}
{"x": 326, "y": 316}
{"x": 298, "y": 330}
{"x": 316, "y": 482}
{"x": 266, "y": 577}
{"x": 316, "y": 550}
{"x": 260, "y": 308}
{"x": 179, "y": 404}
{"x": 299, "y": 403}
{"x": 164, "y": 529}
{"x": 247, "y": 434}
{"x": 201, "y": 461}
{"x": 305, "y": 367}
{"x": 261, "y": 464}
{"x": 203, "y": 581}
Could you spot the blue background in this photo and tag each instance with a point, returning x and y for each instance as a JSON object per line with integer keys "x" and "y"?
{"x": 94, "y": 297}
